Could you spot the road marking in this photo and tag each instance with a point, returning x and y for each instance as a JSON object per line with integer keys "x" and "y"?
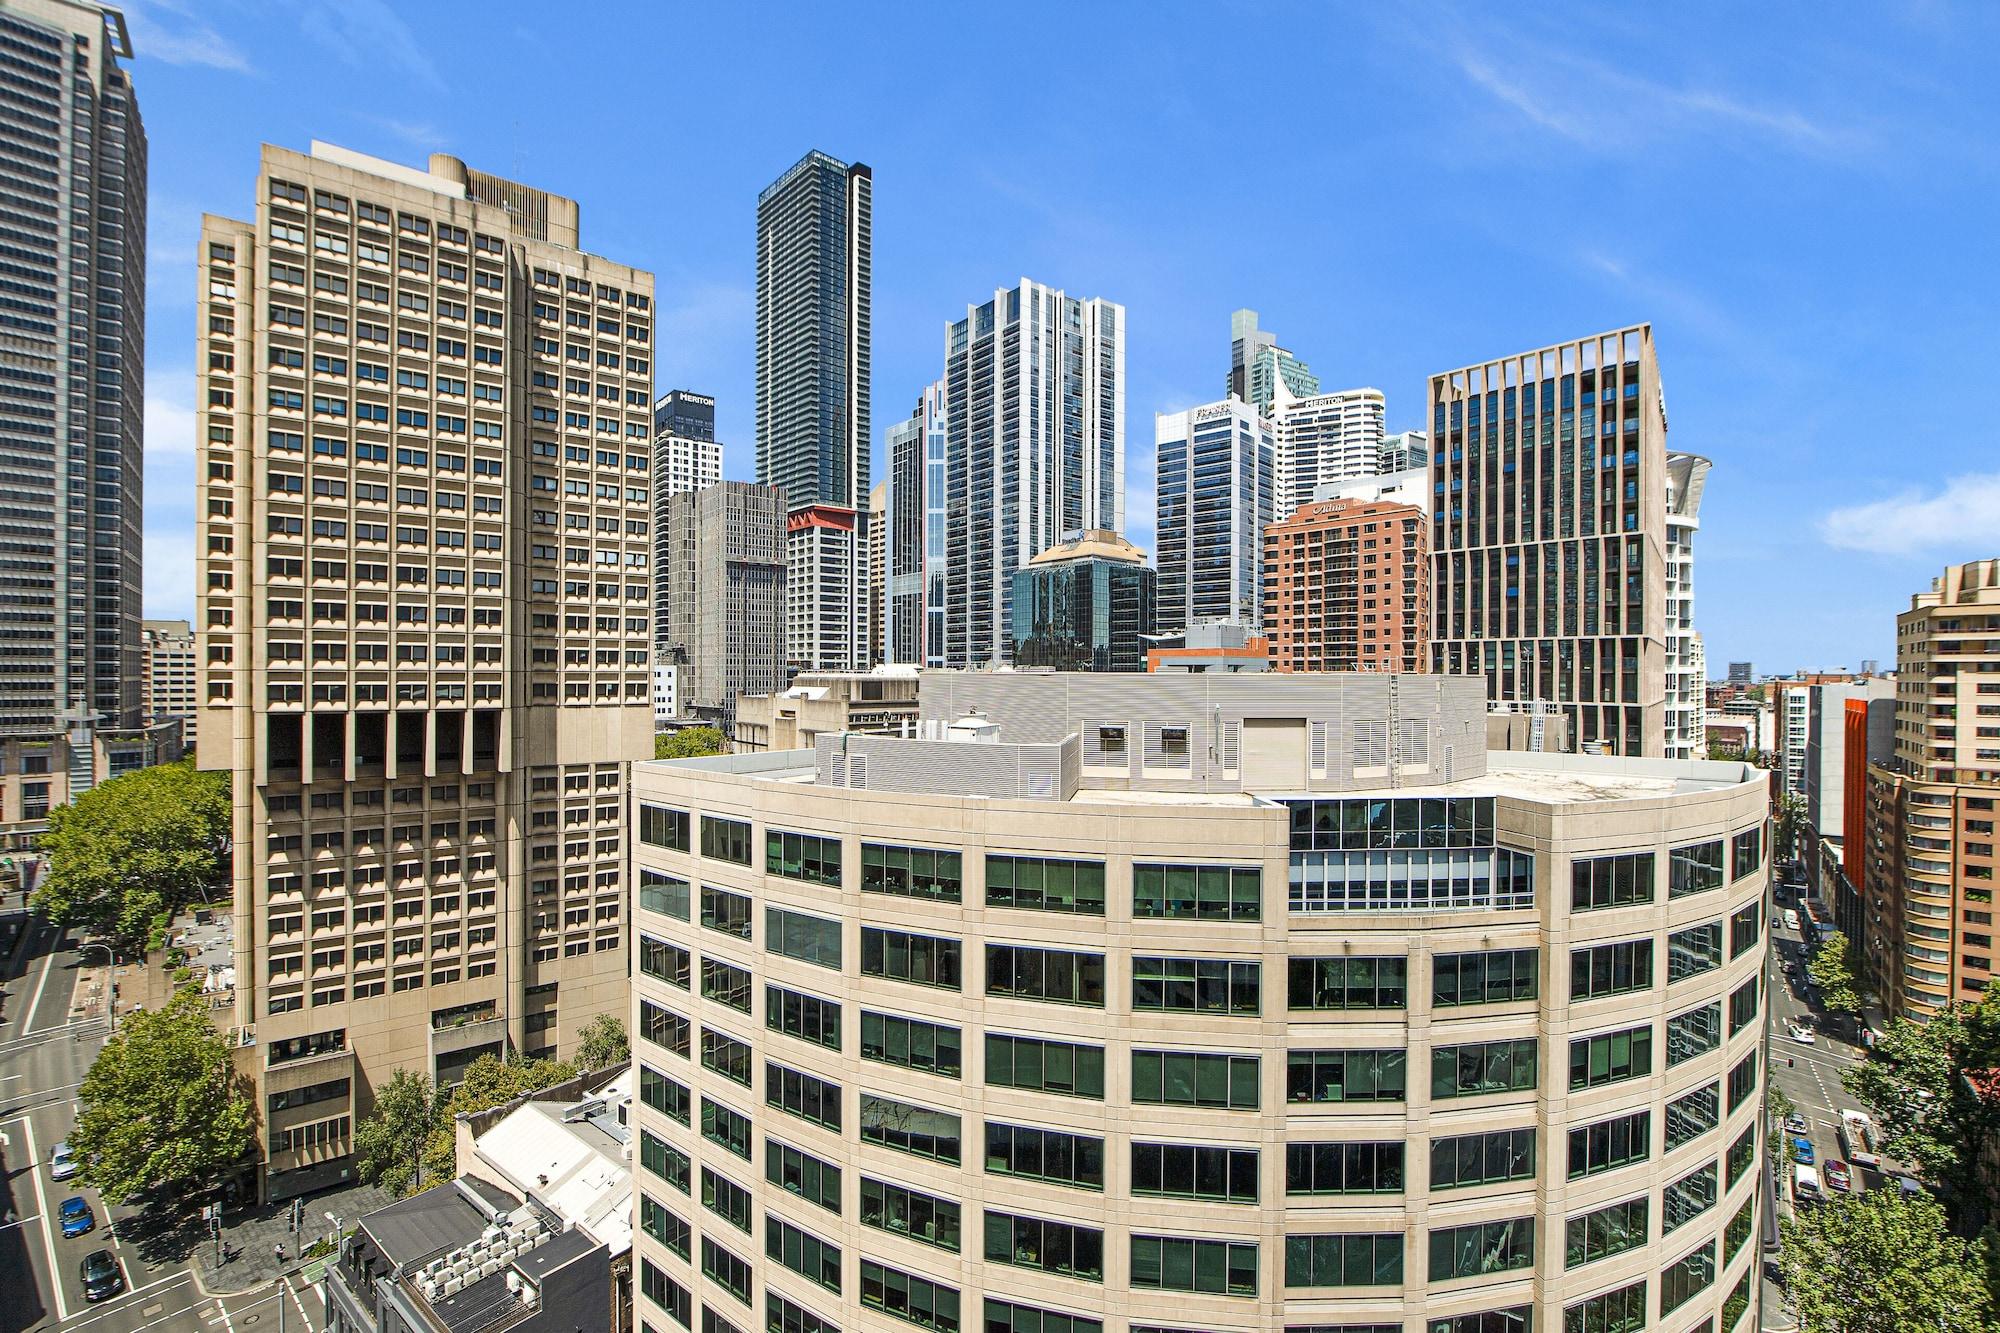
{"x": 42, "y": 1202}
{"x": 28, "y": 1019}
{"x": 303, "y": 1316}
{"x": 226, "y": 1322}
{"x": 152, "y": 1309}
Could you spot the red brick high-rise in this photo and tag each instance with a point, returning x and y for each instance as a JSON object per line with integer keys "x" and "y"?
{"x": 1347, "y": 588}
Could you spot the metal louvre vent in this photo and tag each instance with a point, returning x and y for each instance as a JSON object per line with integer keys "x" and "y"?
{"x": 1413, "y": 743}
{"x": 1169, "y": 746}
{"x": 1107, "y": 745}
{"x": 1229, "y": 745}
{"x": 1371, "y": 744}
{"x": 1321, "y": 747}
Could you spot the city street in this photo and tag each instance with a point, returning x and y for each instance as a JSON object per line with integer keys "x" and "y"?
{"x": 46, "y": 1046}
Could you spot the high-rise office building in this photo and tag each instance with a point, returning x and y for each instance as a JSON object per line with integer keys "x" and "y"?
{"x": 1741, "y": 673}
{"x": 1346, "y": 588}
{"x": 913, "y": 609}
{"x": 1325, "y": 437}
{"x": 1686, "y": 477}
{"x": 1215, "y": 1001}
{"x": 1085, "y": 604}
{"x": 170, "y": 669}
{"x": 1929, "y": 895}
{"x": 1405, "y": 451}
{"x": 878, "y": 570}
{"x": 1257, "y": 365}
{"x": 1214, "y": 491}
{"x": 1548, "y": 541}
{"x": 72, "y": 398}
{"x": 725, "y": 576}
{"x": 1034, "y": 427}
{"x": 425, "y": 434}
{"x": 815, "y": 282}
{"x": 686, "y": 458}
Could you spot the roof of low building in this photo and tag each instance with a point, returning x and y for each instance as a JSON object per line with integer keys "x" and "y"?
{"x": 1097, "y": 543}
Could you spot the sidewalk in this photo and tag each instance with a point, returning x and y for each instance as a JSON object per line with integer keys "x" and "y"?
{"x": 248, "y": 1238}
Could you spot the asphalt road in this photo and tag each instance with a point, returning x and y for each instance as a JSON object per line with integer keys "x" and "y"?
{"x": 43, "y": 1058}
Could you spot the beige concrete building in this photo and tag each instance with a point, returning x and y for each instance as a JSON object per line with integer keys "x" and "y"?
{"x": 1217, "y": 1002}
{"x": 1549, "y": 535}
{"x": 825, "y": 703}
{"x": 170, "y": 671}
{"x": 425, "y": 436}
{"x": 1930, "y": 863}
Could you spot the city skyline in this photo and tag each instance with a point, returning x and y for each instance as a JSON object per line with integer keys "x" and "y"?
{"x": 1789, "y": 390}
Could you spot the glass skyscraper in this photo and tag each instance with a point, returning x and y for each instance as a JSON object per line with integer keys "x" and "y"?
{"x": 1215, "y": 492}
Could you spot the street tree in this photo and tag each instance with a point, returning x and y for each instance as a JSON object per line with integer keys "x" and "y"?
{"x": 689, "y": 743}
{"x": 1882, "y": 1262}
{"x": 489, "y": 1081}
{"x": 1932, "y": 1117}
{"x": 162, "y": 1107}
{"x": 391, "y": 1141}
{"x": 143, "y": 845}
{"x": 1791, "y": 819}
{"x": 604, "y": 1043}
{"x": 1832, "y": 970}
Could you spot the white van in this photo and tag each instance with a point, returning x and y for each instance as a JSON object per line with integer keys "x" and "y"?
{"x": 1791, "y": 919}
{"x": 1805, "y": 1186}
{"x": 1857, "y": 1140}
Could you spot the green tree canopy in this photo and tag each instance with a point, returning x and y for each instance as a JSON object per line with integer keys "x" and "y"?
{"x": 604, "y": 1043}
{"x": 688, "y": 743}
{"x": 145, "y": 843}
{"x": 390, "y": 1143}
{"x": 162, "y": 1107}
{"x": 488, "y": 1082}
{"x": 1882, "y": 1262}
{"x": 1913, "y": 1080}
{"x": 1831, "y": 969}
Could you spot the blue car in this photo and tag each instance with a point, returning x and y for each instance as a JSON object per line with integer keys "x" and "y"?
{"x": 76, "y": 1216}
{"x": 1802, "y": 1151}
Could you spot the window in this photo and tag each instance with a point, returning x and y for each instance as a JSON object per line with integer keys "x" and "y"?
{"x": 1738, "y": 1230}
{"x": 911, "y": 872}
{"x": 1610, "y": 1057}
{"x": 664, "y": 1028}
{"x": 906, "y": 1296}
{"x": 912, "y": 1129}
{"x": 802, "y": 856}
{"x": 1013, "y": 1317}
{"x": 1746, "y": 926}
{"x": 926, "y": 960}
{"x": 1742, "y": 1080}
{"x": 1483, "y": 1247}
{"x": 725, "y": 1269}
{"x": 1618, "y": 968}
{"x": 1620, "y": 1311}
{"x": 725, "y": 1055}
{"x": 1687, "y": 1198}
{"x": 725, "y": 983}
{"x": 1194, "y": 985}
{"x": 1344, "y": 1168}
{"x": 1608, "y": 1231}
{"x": 660, "y": 826}
{"x": 1684, "y": 1279}
{"x": 1362, "y": 1259}
{"x": 1482, "y": 1159}
{"x": 802, "y": 1252}
{"x": 725, "y": 1128}
{"x": 1045, "y": 884}
{"x": 1045, "y": 1154}
{"x": 1478, "y": 1068}
{"x": 807, "y": 1017}
{"x": 666, "y": 1293}
{"x": 1611, "y": 881}
{"x": 1737, "y": 1302}
{"x": 663, "y": 961}
{"x": 1694, "y": 869}
{"x": 663, "y": 1160}
{"x": 1693, "y": 951}
{"x": 1610, "y": 1144}
{"x": 1195, "y": 1078}
{"x": 907, "y": 1212}
{"x": 1746, "y": 852}
{"x": 1742, "y": 1154}
{"x": 799, "y": 1172}
{"x": 782, "y": 1316}
{"x": 1197, "y": 892}
{"x": 1348, "y": 983}
{"x": 810, "y": 939}
{"x": 1345, "y": 1076}
{"x": 1049, "y": 1247}
{"x": 1194, "y": 1171}
{"x": 1067, "y": 1068}
{"x": 725, "y": 839}
{"x": 1054, "y": 975}
{"x": 725, "y": 911}
{"x": 1693, "y": 1033}
{"x": 1174, "y": 1263}
{"x": 910, "y": 1042}
{"x": 802, "y": 1095}
{"x": 726, "y": 1199}
{"x": 1693, "y": 1114}
{"x": 1496, "y": 977}
{"x": 1743, "y": 1006}
{"x": 1514, "y": 1319}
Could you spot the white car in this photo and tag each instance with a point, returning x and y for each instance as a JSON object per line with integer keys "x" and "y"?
{"x": 1802, "y": 1035}
{"x": 1791, "y": 919}
{"x": 62, "y": 1162}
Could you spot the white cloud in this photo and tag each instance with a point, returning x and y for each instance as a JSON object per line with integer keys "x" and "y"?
{"x": 188, "y": 41}
{"x": 368, "y": 34}
{"x": 169, "y": 413}
{"x": 1964, "y": 515}
{"x": 170, "y": 574}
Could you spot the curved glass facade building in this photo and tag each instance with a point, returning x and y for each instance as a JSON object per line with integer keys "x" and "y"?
{"x": 1207, "y": 1002}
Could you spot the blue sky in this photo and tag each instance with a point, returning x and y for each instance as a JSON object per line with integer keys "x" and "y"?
{"x": 1801, "y": 200}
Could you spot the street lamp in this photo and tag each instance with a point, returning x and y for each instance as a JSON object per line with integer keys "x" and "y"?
{"x": 110, "y": 984}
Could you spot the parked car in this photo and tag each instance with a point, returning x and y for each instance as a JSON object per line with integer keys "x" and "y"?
{"x": 1791, "y": 919}
{"x": 76, "y": 1216}
{"x": 102, "y": 1277}
{"x": 1802, "y": 1150}
{"x": 1837, "y": 1176}
{"x": 62, "y": 1162}
{"x": 1795, "y": 1123}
